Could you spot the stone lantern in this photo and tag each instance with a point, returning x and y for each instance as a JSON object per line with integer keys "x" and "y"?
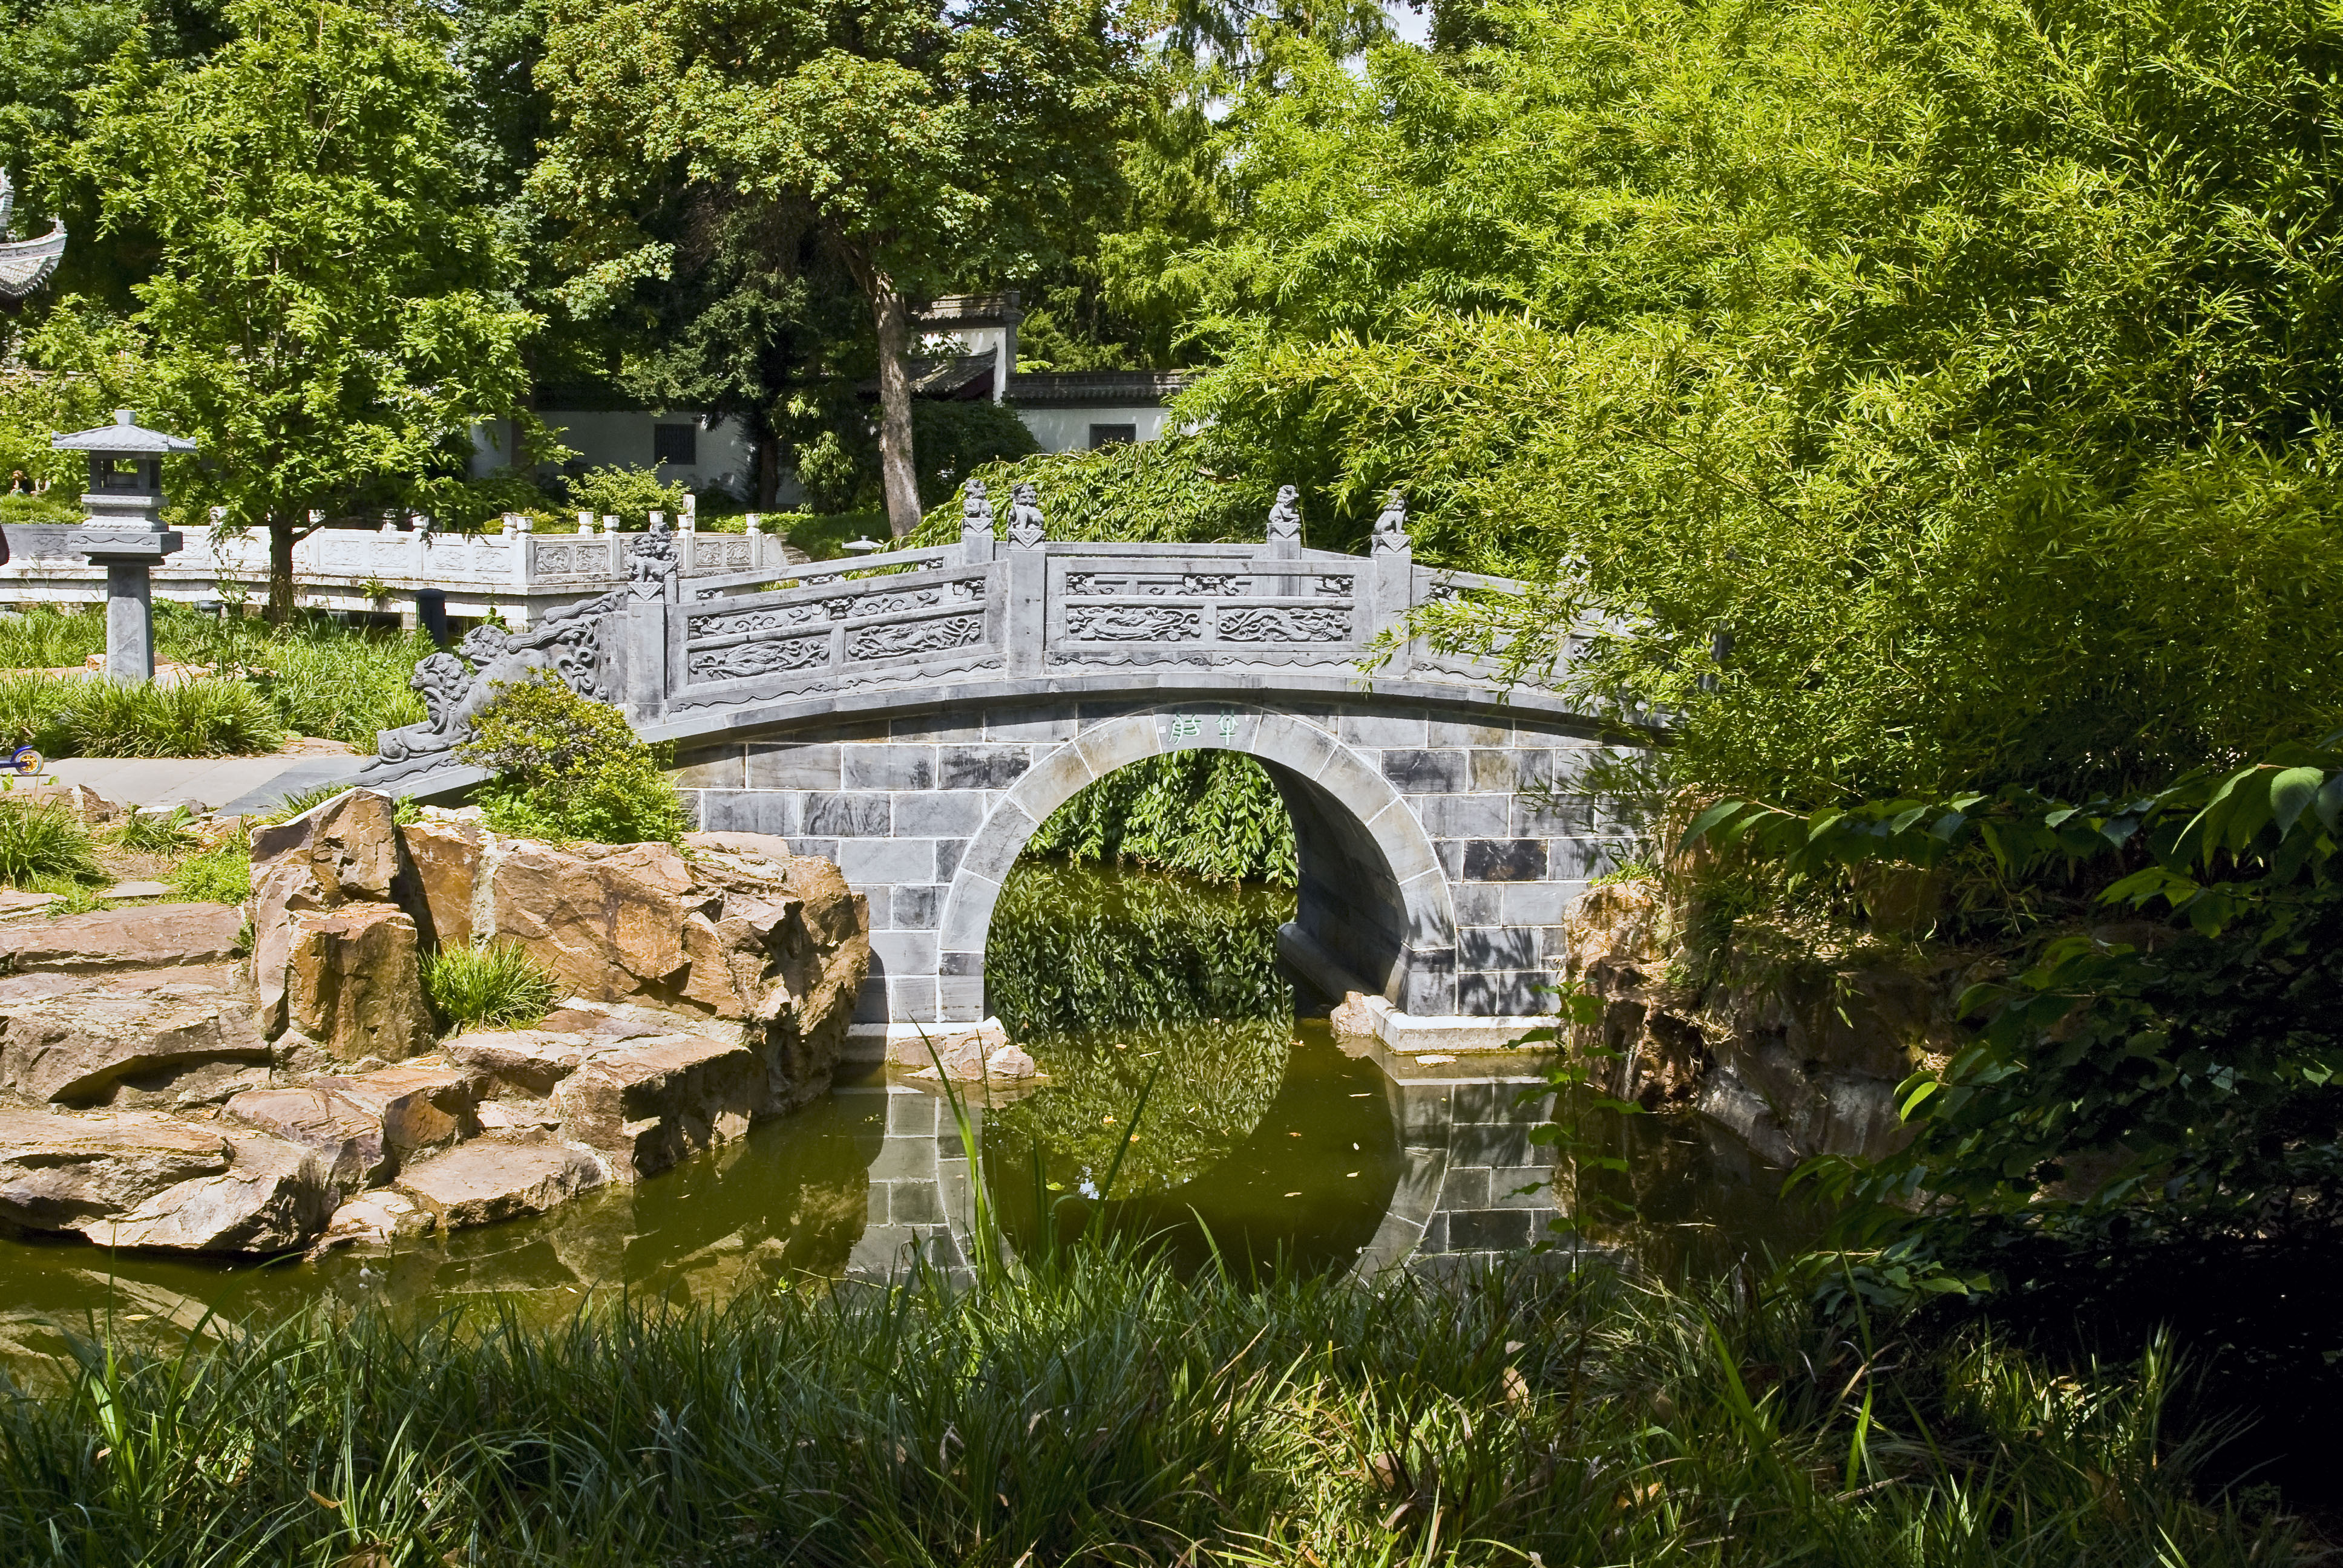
{"x": 124, "y": 532}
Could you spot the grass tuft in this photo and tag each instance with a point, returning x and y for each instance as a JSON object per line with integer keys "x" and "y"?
{"x": 156, "y": 832}
{"x": 45, "y": 843}
{"x": 495, "y": 983}
{"x": 192, "y": 719}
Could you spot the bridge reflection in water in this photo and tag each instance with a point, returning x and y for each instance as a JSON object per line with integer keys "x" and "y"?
{"x": 1458, "y": 1182}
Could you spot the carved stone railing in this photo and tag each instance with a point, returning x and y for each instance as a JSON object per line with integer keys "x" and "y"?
{"x": 519, "y": 574}
{"x": 678, "y": 651}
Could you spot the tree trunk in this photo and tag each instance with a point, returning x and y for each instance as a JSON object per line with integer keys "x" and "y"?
{"x": 281, "y": 539}
{"x": 769, "y": 463}
{"x": 892, "y": 318}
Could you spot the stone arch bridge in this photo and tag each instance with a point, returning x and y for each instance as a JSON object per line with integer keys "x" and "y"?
{"x": 916, "y": 715}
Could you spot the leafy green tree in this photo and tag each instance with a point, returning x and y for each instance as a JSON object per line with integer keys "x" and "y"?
{"x": 51, "y": 52}
{"x": 1928, "y": 395}
{"x": 921, "y": 147}
{"x": 323, "y": 316}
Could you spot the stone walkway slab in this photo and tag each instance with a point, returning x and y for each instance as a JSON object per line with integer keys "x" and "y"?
{"x": 237, "y": 785}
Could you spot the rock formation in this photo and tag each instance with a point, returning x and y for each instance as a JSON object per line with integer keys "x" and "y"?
{"x": 156, "y": 1091}
{"x": 1799, "y": 1056}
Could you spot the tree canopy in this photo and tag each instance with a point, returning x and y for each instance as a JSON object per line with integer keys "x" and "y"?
{"x": 322, "y": 317}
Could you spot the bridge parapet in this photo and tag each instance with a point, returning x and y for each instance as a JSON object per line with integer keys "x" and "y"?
{"x": 1029, "y": 606}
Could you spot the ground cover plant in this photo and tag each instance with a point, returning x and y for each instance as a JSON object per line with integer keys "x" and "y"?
{"x": 1098, "y": 1410}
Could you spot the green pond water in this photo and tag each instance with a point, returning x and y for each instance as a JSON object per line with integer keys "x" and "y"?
{"x": 1260, "y": 1141}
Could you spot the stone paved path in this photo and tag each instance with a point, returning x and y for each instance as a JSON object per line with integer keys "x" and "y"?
{"x": 236, "y": 785}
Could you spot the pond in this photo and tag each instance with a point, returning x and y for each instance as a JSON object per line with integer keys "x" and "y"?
{"x": 1263, "y": 1140}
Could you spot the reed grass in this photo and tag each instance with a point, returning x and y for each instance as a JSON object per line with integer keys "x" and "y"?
{"x": 1101, "y": 1411}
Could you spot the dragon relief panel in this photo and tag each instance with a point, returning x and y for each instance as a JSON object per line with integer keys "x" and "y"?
{"x": 907, "y": 637}
{"x": 1134, "y": 622}
{"x": 1135, "y": 585}
{"x": 736, "y": 623}
{"x": 749, "y": 658}
{"x": 1272, "y": 623}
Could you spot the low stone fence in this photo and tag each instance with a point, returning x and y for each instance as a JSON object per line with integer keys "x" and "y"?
{"x": 515, "y": 573}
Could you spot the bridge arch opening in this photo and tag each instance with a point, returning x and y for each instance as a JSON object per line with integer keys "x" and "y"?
{"x": 1371, "y": 897}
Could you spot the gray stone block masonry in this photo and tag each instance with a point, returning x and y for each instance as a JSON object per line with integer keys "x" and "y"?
{"x": 915, "y": 716}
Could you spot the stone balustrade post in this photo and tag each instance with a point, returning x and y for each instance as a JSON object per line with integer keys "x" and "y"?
{"x": 644, "y": 640}
{"x": 1025, "y": 622}
{"x": 1391, "y": 572}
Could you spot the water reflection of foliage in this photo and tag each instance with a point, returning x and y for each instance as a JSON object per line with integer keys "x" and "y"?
{"x": 1100, "y": 973}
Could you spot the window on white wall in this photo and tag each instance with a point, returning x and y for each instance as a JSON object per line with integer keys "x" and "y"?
{"x": 676, "y": 444}
{"x": 1108, "y": 435}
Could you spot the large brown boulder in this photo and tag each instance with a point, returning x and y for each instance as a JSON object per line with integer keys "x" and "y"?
{"x": 347, "y": 1137}
{"x": 60, "y": 1172}
{"x": 349, "y": 843}
{"x": 155, "y": 936}
{"x": 419, "y": 1107}
{"x": 647, "y": 1106}
{"x": 345, "y": 850}
{"x": 157, "y": 1037}
{"x": 445, "y": 861}
{"x": 138, "y": 1179}
{"x": 482, "y": 1184}
{"x": 272, "y": 1197}
{"x": 353, "y": 984}
{"x": 527, "y": 1062}
{"x": 606, "y": 921}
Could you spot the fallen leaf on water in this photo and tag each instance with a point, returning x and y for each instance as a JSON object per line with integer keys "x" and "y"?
{"x": 1350, "y": 1173}
{"x": 1294, "y": 1195}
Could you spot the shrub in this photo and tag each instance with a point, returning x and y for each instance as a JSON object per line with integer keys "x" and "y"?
{"x": 632, "y": 495}
{"x": 56, "y": 506}
{"x": 44, "y": 841}
{"x": 487, "y": 983}
{"x": 828, "y": 473}
{"x": 569, "y": 768}
{"x": 193, "y": 718}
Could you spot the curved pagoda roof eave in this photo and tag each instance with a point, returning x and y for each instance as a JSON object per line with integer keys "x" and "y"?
{"x": 123, "y": 436}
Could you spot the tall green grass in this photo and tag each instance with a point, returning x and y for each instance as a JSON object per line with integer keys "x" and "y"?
{"x": 1104, "y": 1412}
{"x": 495, "y": 983}
{"x": 314, "y": 677}
{"x": 43, "y": 843}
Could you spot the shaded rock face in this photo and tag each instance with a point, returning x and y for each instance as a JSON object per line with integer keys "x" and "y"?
{"x": 1798, "y": 1060}
{"x": 159, "y": 1038}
